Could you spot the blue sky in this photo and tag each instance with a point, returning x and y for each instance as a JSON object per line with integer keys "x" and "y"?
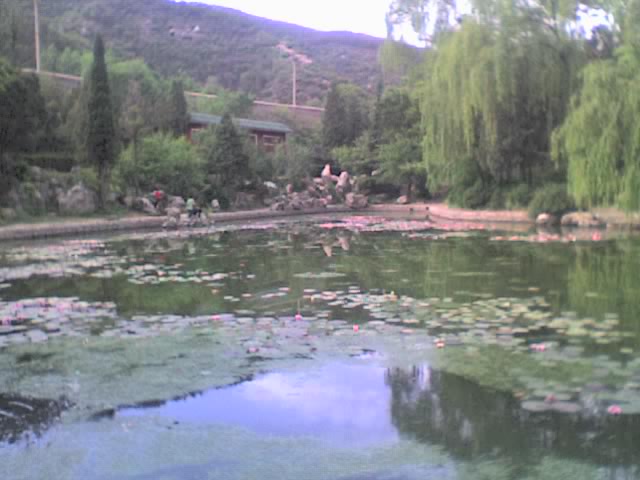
{"x": 362, "y": 16}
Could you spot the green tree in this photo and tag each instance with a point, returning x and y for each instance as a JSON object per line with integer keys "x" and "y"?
{"x": 600, "y": 139}
{"x": 225, "y": 156}
{"x": 22, "y": 116}
{"x": 493, "y": 94}
{"x": 177, "y": 115}
{"x": 333, "y": 121}
{"x": 101, "y": 135}
{"x": 346, "y": 115}
{"x": 132, "y": 122}
{"x": 161, "y": 159}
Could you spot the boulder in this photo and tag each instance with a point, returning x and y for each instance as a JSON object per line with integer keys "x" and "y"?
{"x": 171, "y": 222}
{"x": 344, "y": 183}
{"x": 356, "y": 201}
{"x": 8, "y": 214}
{"x": 271, "y": 187}
{"x": 582, "y": 219}
{"x": 546, "y": 219}
{"x": 290, "y": 189}
{"x": 244, "y": 201}
{"x": 403, "y": 200}
{"x": 175, "y": 202}
{"x": 144, "y": 205}
{"x": 174, "y": 213}
{"x": 215, "y": 205}
{"x": 79, "y": 200}
{"x": 327, "y": 177}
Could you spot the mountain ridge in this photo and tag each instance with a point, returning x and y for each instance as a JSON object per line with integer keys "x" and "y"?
{"x": 223, "y": 46}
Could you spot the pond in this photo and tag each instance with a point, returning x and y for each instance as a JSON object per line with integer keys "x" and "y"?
{"x": 349, "y": 348}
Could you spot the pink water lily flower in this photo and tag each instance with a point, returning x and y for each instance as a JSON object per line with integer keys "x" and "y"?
{"x": 614, "y": 410}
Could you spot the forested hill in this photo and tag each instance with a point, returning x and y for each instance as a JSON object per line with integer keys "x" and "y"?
{"x": 240, "y": 51}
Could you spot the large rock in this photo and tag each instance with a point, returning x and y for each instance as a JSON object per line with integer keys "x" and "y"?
{"x": 8, "y": 214}
{"x": 403, "y": 200}
{"x": 327, "y": 177}
{"x": 245, "y": 201}
{"x": 344, "y": 183}
{"x": 77, "y": 201}
{"x": 582, "y": 219}
{"x": 144, "y": 205}
{"x": 356, "y": 201}
{"x": 175, "y": 202}
{"x": 546, "y": 219}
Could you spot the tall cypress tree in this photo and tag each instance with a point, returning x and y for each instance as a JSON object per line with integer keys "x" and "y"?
{"x": 101, "y": 130}
{"x": 227, "y": 159}
{"x": 333, "y": 123}
{"x": 178, "y": 120}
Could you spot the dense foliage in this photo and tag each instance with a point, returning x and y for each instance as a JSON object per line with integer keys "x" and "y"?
{"x": 600, "y": 141}
{"x": 101, "y": 135}
{"x": 162, "y": 161}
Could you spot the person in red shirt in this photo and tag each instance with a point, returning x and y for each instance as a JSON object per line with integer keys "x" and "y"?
{"x": 157, "y": 197}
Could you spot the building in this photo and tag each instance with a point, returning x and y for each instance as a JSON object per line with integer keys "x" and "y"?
{"x": 266, "y": 135}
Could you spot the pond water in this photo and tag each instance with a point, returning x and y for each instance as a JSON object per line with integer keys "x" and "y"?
{"x": 351, "y": 349}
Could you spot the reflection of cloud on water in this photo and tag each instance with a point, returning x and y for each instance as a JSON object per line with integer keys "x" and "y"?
{"x": 348, "y": 405}
{"x": 334, "y": 399}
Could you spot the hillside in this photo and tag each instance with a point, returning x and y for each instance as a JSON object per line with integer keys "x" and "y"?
{"x": 239, "y": 51}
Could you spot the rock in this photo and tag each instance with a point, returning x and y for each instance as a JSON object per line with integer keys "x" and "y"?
{"x": 290, "y": 189}
{"x": 356, "y": 201}
{"x": 8, "y": 214}
{"x": 77, "y": 201}
{"x": 244, "y": 201}
{"x": 215, "y": 205}
{"x": 128, "y": 201}
{"x": 545, "y": 219}
{"x": 171, "y": 223}
{"x": 37, "y": 336}
{"x": 327, "y": 177}
{"x": 143, "y": 204}
{"x": 174, "y": 214}
{"x": 175, "y": 202}
{"x": 582, "y": 219}
{"x": 272, "y": 187}
{"x": 403, "y": 200}
{"x": 344, "y": 183}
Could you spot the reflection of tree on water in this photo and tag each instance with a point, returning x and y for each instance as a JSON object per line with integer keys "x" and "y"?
{"x": 471, "y": 421}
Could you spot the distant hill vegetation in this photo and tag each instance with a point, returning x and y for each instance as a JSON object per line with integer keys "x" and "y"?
{"x": 215, "y": 45}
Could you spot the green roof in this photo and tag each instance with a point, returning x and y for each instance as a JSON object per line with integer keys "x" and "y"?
{"x": 244, "y": 123}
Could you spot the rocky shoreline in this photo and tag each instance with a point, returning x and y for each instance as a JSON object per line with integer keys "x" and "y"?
{"x": 601, "y": 218}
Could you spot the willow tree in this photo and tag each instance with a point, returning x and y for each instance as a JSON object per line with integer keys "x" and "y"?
{"x": 600, "y": 140}
{"x": 494, "y": 92}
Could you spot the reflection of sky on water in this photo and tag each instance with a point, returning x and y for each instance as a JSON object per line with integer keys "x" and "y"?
{"x": 344, "y": 404}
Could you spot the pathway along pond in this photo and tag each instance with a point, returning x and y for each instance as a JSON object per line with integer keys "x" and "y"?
{"x": 351, "y": 349}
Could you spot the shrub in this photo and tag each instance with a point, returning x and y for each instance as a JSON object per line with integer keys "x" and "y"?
{"x": 165, "y": 161}
{"x": 552, "y": 199}
{"x": 518, "y": 196}
{"x": 61, "y": 162}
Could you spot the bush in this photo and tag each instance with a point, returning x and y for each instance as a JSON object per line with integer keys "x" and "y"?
{"x": 293, "y": 163}
{"x": 162, "y": 160}
{"x": 61, "y": 162}
{"x": 552, "y": 199}
{"x": 518, "y": 196}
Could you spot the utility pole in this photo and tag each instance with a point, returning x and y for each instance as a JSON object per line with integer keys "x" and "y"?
{"x": 36, "y": 19}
